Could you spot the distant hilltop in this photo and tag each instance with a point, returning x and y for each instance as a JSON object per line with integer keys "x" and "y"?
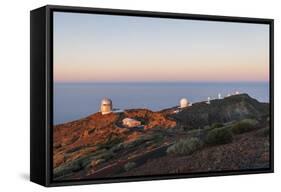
{"x": 230, "y": 108}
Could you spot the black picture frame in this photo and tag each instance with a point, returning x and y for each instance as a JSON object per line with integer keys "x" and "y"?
{"x": 41, "y": 100}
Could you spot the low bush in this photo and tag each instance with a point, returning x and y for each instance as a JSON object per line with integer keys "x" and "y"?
{"x": 152, "y": 138}
{"x": 111, "y": 141}
{"x": 130, "y": 165}
{"x": 107, "y": 155}
{"x": 117, "y": 147}
{"x": 264, "y": 132}
{"x": 82, "y": 162}
{"x": 245, "y": 125}
{"x": 219, "y": 136}
{"x": 206, "y": 127}
{"x": 216, "y": 125}
{"x": 141, "y": 140}
{"x": 74, "y": 149}
{"x": 68, "y": 168}
{"x": 184, "y": 146}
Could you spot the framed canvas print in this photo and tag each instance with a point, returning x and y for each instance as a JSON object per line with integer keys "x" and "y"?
{"x": 122, "y": 95}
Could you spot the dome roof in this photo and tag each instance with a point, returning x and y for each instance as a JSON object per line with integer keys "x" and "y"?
{"x": 183, "y": 102}
{"x": 106, "y": 106}
{"x": 106, "y": 101}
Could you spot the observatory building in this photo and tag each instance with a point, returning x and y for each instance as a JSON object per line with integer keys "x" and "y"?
{"x": 128, "y": 122}
{"x": 106, "y": 106}
{"x": 209, "y": 100}
{"x": 184, "y": 103}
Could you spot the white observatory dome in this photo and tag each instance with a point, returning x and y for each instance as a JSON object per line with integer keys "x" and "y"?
{"x": 183, "y": 103}
{"x": 106, "y": 106}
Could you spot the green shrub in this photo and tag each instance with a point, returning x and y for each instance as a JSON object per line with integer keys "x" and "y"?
{"x": 141, "y": 140}
{"x": 111, "y": 141}
{"x": 107, "y": 155}
{"x": 74, "y": 149}
{"x": 194, "y": 132}
{"x": 117, "y": 147}
{"x": 68, "y": 168}
{"x": 206, "y": 127}
{"x": 184, "y": 146}
{"x": 264, "y": 132}
{"x": 152, "y": 138}
{"x": 216, "y": 125}
{"x": 130, "y": 165}
{"x": 245, "y": 125}
{"x": 218, "y": 136}
{"x": 266, "y": 146}
{"x": 82, "y": 162}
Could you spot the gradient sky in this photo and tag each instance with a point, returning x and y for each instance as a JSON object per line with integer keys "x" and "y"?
{"x": 104, "y": 48}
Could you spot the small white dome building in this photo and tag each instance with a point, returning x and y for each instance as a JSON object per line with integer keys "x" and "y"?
{"x": 128, "y": 122}
{"x": 184, "y": 103}
{"x": 106, "y": 106}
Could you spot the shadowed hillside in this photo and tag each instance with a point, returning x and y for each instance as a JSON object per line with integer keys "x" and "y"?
{"x": 231, "y": 108}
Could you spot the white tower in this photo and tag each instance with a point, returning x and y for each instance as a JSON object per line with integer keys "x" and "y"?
{"x": 209, "y": 100}
{"x": 219, "y": 96}
{"x": 106, "y": 106}
{"x": 183, "y": 103}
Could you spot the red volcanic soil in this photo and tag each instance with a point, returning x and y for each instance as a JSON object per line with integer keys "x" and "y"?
{"x": 150, "y": 119}
{"x": 97, "y": 129}
{"x": 87, "y": 132}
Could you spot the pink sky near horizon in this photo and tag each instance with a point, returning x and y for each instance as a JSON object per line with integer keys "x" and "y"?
{"x": 124, "y": 69}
